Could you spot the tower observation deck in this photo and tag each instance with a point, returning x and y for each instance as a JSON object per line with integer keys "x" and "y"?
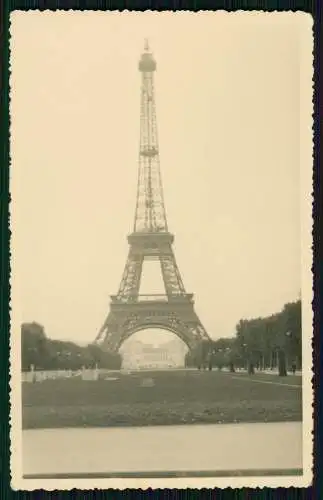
{"x": 147, "y": 63}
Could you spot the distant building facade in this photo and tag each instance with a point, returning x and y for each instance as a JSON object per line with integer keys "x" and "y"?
{"x": 138, "y": 355}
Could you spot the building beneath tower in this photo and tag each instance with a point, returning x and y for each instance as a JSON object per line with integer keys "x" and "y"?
{"x": 138, "y": 355}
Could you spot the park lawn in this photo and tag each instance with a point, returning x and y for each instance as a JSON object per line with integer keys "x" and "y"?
{"x": 177, "y": 397}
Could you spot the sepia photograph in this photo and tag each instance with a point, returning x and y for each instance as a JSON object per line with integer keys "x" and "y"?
{"x": 161, "y": 249}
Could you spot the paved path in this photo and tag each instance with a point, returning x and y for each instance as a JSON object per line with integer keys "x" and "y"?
{"x": 216, "y": 448}
{"x": 250, "y": 379}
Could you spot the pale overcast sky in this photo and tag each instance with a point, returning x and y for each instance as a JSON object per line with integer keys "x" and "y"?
{"x": 228, "y": 101}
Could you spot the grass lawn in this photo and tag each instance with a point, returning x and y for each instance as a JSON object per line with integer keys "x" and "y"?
{"x": 177, "y": 397}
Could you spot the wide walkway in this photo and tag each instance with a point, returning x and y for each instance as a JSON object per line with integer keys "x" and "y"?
{"x": 209, "y": 449}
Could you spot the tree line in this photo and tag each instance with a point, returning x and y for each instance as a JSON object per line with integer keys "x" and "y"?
{"x": 42, "y": 353}
{"x": 263, "y": 343}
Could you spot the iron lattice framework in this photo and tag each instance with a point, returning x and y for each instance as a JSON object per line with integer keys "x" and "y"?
{"x": 150, "y": 240}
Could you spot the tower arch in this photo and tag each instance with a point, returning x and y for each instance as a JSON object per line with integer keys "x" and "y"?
{"x": 158, "y": 326}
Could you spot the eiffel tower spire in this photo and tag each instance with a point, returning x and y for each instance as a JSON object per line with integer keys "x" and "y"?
{"x": 150, "y": 215}
{"x": 150, "y": 240}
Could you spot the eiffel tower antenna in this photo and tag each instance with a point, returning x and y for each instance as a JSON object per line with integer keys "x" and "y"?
{"x": 150, "y": 240}
{"x": 150, "y": 208}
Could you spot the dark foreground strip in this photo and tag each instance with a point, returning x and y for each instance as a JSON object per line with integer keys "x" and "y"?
{"x": 165, "y": 474}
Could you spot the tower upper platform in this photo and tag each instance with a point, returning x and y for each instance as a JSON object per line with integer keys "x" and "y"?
{"x": 147, "y": 63}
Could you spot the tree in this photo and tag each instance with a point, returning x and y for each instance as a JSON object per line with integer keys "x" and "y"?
{"x": 43, "y": 353}
{"x": 198, "y": 356}
{"x": 33, "y": 346}
{"x": 190, "y": 359}
{"x": 291, "y": 317}
{"x": 104, "y": 359}
{"x": 261, "y": 341}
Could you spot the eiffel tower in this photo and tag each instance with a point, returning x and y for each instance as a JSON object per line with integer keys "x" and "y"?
{"x": 131, "y": 312}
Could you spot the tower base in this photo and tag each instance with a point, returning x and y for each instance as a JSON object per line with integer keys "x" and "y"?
{"x": 175, "y": 314}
